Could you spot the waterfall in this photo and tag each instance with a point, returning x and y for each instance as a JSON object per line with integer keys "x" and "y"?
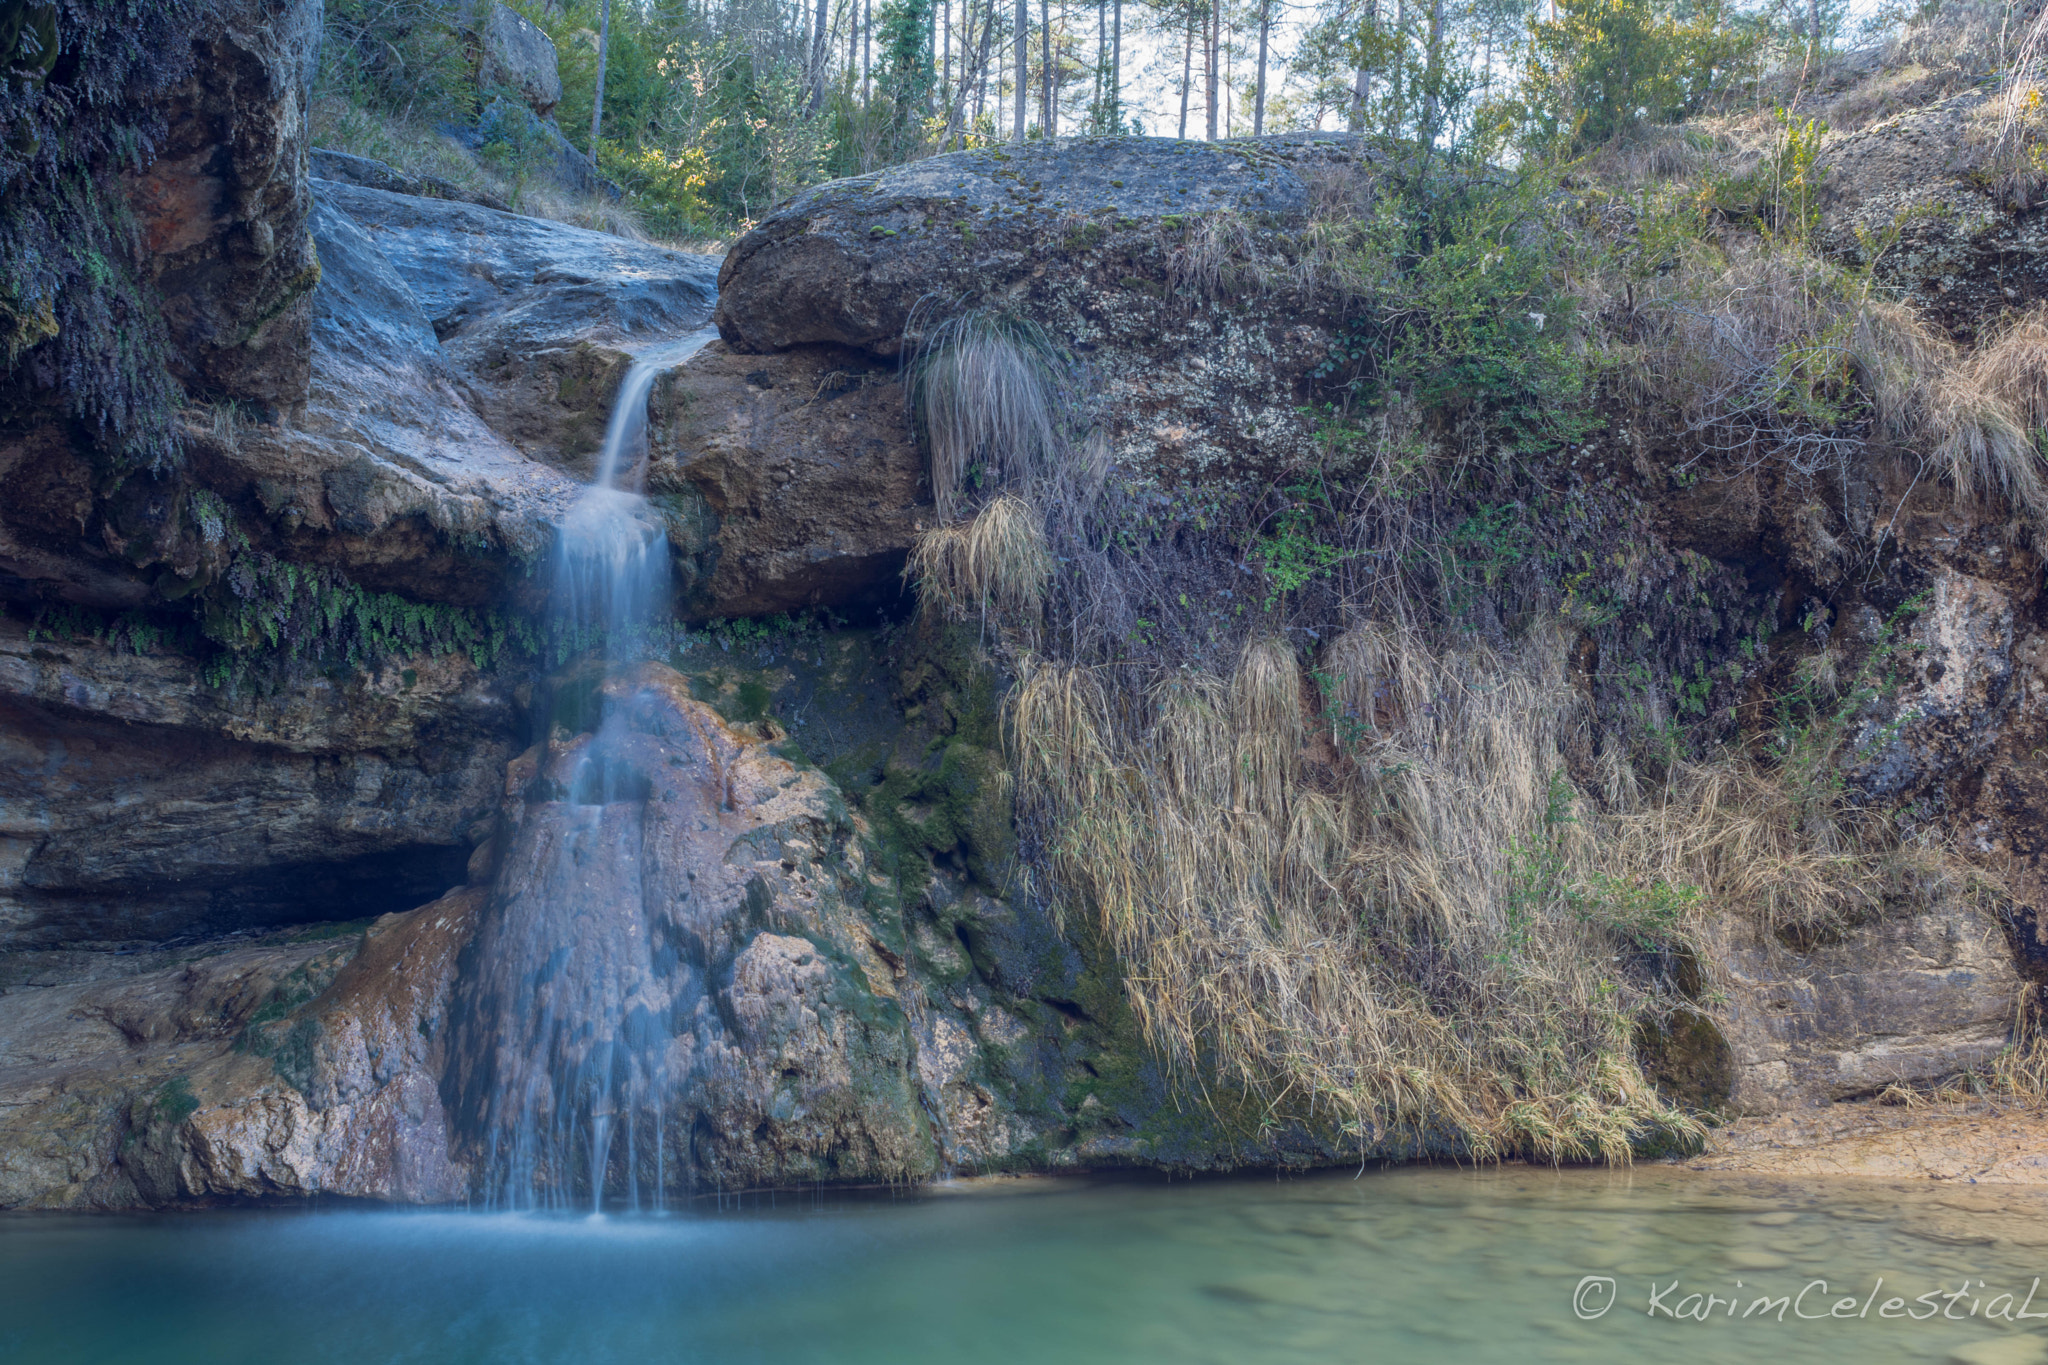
{"x": 566, "y": 1051}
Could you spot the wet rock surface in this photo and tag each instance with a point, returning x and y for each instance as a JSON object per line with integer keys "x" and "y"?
{"x": 223, "y": 207}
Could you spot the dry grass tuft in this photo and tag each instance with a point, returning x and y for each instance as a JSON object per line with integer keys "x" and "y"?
{"x": 2013, "y": 364}
{"x": 1774, "y": 354}
{"x": 994, "y": 566}
{"x": 986, "y": 389}
{"x": 1981, "y": 446}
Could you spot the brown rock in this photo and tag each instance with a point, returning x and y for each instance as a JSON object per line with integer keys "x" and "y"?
{"x": 223, "y": 206}
{"x": 807, "y": 468}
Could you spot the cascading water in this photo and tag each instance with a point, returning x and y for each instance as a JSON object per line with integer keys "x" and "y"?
{"x": 567, "y": 1051}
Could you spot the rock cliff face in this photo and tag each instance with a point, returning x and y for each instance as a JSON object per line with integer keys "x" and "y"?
{"x": 239, "y": 925}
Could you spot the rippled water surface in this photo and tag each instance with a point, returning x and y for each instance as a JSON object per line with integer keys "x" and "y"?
{"x": 1416, "y": 1265}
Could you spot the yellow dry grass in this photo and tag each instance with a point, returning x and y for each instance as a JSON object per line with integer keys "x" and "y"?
{"x": 994, "y": 567}
{"x": 1416, "y": 939}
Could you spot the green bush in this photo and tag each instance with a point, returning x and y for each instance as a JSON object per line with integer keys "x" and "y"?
{"x": 1598, "y": 68}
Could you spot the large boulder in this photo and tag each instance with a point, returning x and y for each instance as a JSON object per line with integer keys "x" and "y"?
{"x": 852, "y": 261}
{"x": 513, "y": 54}
{"x": 1107, "y": 244}
{"x": 534, "y": 148}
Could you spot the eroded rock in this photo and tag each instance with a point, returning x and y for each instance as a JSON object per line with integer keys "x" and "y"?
{"x": 223, "y": 207}
{"x": 139, "y": 801}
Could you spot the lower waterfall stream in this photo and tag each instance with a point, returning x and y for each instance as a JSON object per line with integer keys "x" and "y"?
{"x": 578, "y": 990}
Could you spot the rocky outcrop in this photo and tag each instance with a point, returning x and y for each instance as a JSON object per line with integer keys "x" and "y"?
{"x": 853, "y": 261}
{"x": 1924, "y": 198}
{"x": 141, "y": 802}
{"x": 792, "y": 480}
{"x": 1905, "y": 1000}
{"x": 348, "y": 169}
{"x": 280, "y": 1069}
{"x": 510, "y": 130}
{"x": 829, "y": 846}
{"x": 1108, "y": 244}
{"x": 223, "y": 208}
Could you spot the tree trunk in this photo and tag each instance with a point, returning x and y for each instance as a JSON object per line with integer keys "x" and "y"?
{"x": 1187, "y": 70}
{"x": 1259, "y": 101}
{"x": 1432, "y": 72}
{"x": 1361, "y": 79}
{"x": 817, "y": 71}
{"x": 1116, "y": 69}
{"x": 1045, "y": 120}
{"x": 1211, "y": 40}
{"x": 1398, "y": 76}
{"x": 1023, "y": 63}
{"x": 867, "y": 50}
{"x": 1098, "y": 117}
{"x": 604, "y": 35}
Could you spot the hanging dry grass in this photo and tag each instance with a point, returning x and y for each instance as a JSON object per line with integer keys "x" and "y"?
{"x": 1774, "y": 354}
{"x": 1392, "y": 953}
{"x": 2013, "y": 364}
{"x": 1981, "y": 447}
{"x": 1771, "y": 352}
{"x": 996, "y": 566}
{"x": 985, "y": 389}
{"x": 1426, "y": 941}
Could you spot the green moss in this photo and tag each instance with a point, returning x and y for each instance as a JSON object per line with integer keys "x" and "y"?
{"x": 288, "y": 293}
{"x": 175, "y": 1102}
{"x": 280, "y": 1030}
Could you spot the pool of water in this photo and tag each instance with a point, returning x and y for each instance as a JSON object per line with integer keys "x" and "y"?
{"x": 1396, "y": 1266}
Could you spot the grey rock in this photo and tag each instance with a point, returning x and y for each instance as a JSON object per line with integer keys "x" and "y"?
{"x": 471, "y": 267}
{"x": 1917, "y": 196}
{"x": 1907, "y": 999}
{"x": 851, "y": 261}
{"x": 388, "y": 469}
{"x": 533, "y": 146}
{"x": 138, "y": 802}
{"x": 350, "y": 169}
{"x": 515, "y": 54}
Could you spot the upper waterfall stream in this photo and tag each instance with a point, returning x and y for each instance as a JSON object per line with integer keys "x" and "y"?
{"x": 570, "y": 1040}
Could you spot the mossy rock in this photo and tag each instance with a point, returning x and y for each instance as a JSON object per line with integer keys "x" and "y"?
{"x": 1688, "y": 1059}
